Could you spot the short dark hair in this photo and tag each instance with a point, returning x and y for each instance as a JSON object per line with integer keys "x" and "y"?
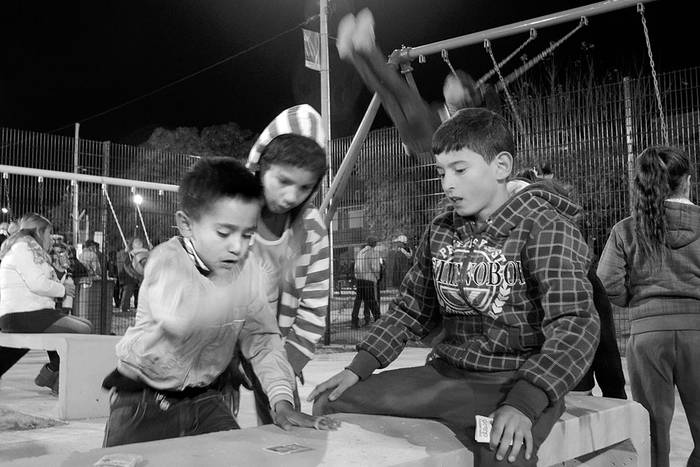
{"x": 296, "y": 151}
{"x": 477, "y": 129}
{"x": 546, "y": 169}
{"x": 213, "y": 178}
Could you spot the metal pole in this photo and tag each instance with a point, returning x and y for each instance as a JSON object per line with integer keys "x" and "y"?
{"x": 11, "y": 169}
{"x": 521, "y": 26}
{"x": 326, "y": 117}
{"x": 105, "y": 295}
{"x": 76, "y": 162}
{"x": 345, "y": 169}
{"x": 629, "y": 132}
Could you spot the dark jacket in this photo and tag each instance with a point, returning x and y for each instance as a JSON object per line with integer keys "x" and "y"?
{"x": 664, "y": 296}
{"x": 511, "y": 295}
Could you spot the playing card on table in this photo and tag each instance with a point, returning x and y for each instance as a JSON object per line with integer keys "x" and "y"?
{"x": 483, "y": 429}
{"x": 288, "y": 448}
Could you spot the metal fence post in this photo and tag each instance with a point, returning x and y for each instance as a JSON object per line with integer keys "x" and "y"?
{"x": 106, "y": 321}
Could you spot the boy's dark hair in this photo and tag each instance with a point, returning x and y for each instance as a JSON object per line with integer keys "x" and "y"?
{"x": 296, "y": 151}
{"x": 477, "y": 129}
{"x": 212, "y": 178}
{"x": 546, "y": 169}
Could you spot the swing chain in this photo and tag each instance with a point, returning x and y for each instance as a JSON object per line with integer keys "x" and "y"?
{"x": 664, "y": 128}
{"x": 446, "y": 59}
{"x": 511, "y": 103}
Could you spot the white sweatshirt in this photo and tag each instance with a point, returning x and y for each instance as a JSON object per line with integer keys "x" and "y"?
{"x": 27, "y": 280}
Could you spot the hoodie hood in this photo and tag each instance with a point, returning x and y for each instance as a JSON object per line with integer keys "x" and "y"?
{"x": 536, "y": 197}
{"x": 300, "y": 120}
{"x": 683, "y": 224}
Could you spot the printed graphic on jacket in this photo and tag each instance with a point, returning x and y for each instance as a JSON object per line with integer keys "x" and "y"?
{"x": 473, "y": 277}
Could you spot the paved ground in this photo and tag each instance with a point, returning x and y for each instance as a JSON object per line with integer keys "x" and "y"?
{"x": 17, "y": 392}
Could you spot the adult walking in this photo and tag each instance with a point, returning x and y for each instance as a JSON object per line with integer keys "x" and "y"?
{"x": 367, "y": 270}
{"x": 651, "y": 264}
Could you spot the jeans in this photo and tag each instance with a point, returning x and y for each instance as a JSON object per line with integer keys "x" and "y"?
{"x": 443, "y": 393}
{"x": 366, "y": 292}
{"x": 148, "y": 415}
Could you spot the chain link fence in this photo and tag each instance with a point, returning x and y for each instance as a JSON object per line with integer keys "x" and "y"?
{"x": 588, "y": 136}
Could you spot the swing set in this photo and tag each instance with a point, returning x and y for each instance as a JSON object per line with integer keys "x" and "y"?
{"x": 406, "y": 55}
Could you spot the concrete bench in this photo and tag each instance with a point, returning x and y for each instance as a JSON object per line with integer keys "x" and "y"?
{"x": 85, "y": 360}
{"x": 594, "y": 430}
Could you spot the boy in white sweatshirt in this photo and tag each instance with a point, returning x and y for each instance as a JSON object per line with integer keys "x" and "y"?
{"x": 201, "y": 294}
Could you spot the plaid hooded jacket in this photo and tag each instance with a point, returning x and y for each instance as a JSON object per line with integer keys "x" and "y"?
{"x": 511, "y": 295}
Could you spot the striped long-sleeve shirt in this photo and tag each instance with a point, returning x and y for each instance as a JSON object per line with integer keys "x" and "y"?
{"x": 301, "y": 311}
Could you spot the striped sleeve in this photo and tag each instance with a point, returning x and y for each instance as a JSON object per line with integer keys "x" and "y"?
{"x": 304, "y": 300}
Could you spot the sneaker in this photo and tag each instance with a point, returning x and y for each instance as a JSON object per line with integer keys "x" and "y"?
{"x": 346, "y": 28}
{"x": 47, "y": 378}
{"x": 363, "y": 35}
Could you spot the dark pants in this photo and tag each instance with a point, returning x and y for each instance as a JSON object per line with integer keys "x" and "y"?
{"x": 49, "y": 321}
{"x": 147, "y": 415}
{"x": 129, "y": 290}
{"x": 607, "y": 365}
{"x": 656, "y": 362}
{"x": 442, "y": 393}
{"x": 366, "y": 291}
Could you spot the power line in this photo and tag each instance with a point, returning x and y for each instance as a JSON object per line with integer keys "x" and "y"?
{"x": 191, "y": 75}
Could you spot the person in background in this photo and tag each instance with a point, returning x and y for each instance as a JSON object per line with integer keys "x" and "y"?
{"x": 3, "y": 231}
{"x": 29, "y": 289}
{"x": 367, "y": 270}
{"x": 91, "y": 259}
{"x": 401, "y": 258}
{"x": 547, "y": 173}
{"x": 651, "y": 264}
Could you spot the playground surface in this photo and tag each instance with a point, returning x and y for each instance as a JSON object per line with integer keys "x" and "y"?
{"x": 26, "y": 432}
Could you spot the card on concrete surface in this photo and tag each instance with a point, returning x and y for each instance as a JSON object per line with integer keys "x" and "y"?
{"x": 482, "y": 433}
{"x": 119, "y": 460}
{"x": 288, "y": 448}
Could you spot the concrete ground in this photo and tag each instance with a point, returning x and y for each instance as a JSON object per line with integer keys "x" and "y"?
{"x": 18, "y": 393}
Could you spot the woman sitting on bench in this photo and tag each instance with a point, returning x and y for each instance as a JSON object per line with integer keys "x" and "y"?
{"x": 29, "y": 288}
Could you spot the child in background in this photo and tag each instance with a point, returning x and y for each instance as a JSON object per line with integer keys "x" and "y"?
{"x": 507, "y": 278}
{"x": 651, "y": 264}
{"x": 201, "y": 295}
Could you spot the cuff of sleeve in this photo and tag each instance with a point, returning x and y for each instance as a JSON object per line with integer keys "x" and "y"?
{"x": 527, "y": 398}
{"x": 364, "y": 364}
{"x": 279, "y": 394}
{"x": 297, "y": 359}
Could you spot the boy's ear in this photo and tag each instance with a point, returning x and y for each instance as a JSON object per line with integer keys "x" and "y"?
{"x": 184, "y": 223}
{"x": 503, "y": 163}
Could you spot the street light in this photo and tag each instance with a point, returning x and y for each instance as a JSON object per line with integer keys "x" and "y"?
{"x": 138, "y": 199}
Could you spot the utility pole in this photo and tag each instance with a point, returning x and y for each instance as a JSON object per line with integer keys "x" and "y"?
{"x": 326, "y": 118}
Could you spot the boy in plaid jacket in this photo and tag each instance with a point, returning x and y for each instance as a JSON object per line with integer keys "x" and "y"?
{"x": 506, "y": 277}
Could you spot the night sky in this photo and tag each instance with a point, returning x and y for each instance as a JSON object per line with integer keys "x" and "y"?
{"x": 62, "y": 62}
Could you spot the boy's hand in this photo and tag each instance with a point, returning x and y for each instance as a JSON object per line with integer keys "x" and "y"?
{"x": 339, "y": 383}
{"x": 511, "y": 426}
{"x": 70, "y": 289}
{"x": 286, "y": 418}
